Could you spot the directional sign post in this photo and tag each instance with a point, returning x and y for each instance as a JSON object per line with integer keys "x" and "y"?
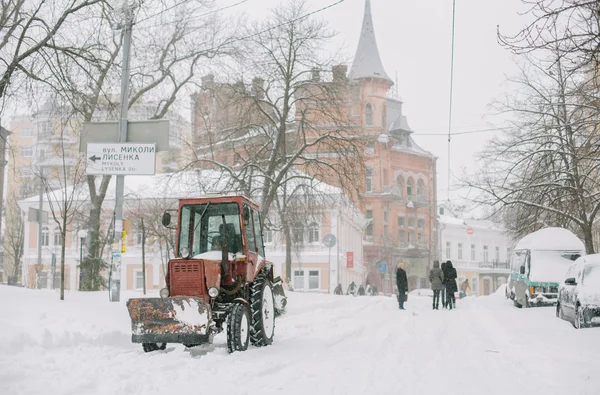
{"x": 120, "y": 159}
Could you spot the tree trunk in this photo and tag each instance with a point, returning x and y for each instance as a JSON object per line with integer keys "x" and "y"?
{"x": 62, "y": 257}
{"x": 588, "y": 239}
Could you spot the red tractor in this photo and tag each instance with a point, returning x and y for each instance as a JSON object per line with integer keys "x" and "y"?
{"x": 220, "y": 276}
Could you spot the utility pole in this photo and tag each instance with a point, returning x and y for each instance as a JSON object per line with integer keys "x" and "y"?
{"x": 116, "y": 264}
{"x": 40, "y": 207}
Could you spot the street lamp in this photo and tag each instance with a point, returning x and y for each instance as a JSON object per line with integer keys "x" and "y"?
{"x": 82, "y": 235}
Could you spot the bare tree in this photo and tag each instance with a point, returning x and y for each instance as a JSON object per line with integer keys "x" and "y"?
{"x": 289, "y": 124}
{"x": 573, "y": 25}
{"x": 544, "y": 171}
{"x": 14, "y": 242}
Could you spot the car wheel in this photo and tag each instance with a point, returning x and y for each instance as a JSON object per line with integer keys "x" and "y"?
{"x": 579, "y": 321}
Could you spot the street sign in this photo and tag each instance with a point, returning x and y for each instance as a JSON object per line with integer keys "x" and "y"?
{"x": 382, "y": 267}
{"x": 147, "y": 132}
{"x": 34, "y": 215}
{"x": 120, "y": 159}
{"x": 470, "y": 231}
{"x": 329, "y": 240}
{"x": 350, "y": 259}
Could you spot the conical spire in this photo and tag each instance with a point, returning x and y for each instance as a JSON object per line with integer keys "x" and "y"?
{"x": 367, "y": 63}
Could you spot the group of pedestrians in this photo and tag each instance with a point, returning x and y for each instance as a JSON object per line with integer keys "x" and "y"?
{"x": 356, "y": 291}
{"x": 443, "y": 282}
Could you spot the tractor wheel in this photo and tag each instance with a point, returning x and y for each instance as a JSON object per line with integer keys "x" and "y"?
{"x": 238, "y": 328}
{"x": 262, "y": 306}
{"x": 149, "y": 347}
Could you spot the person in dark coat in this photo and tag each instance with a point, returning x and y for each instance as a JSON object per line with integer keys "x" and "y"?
{"x": 451, "y": 287}
{"x": 338, "y": 290}
{"x": 402, "y": 284}
{"x": 436, "y": 277}
{"x": 443, "y": 292}
{"x": 361, "y": 290}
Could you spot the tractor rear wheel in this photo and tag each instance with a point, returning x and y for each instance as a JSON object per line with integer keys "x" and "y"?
{"x": 262, "y": 306}
{"x": 149, "y": 347}
{"x": 238, "y": 328}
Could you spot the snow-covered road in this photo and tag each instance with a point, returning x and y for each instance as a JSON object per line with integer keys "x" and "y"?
{"x": 324, "y": 345}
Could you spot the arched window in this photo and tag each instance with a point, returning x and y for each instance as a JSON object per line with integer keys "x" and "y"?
{"x": 313, "y": 233}
{"x": 420, "y": 189}
{"x": 368, "y": 179}
{"x": 409, "y": 188}
{"x": 57, "y": 238}
{"x": 45, "y": 236}
{"x": 369, "y": 115}
{"x": 400, "y": 184}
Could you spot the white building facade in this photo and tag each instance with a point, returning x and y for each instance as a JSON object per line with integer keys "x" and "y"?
{"x": 478, "y": 249}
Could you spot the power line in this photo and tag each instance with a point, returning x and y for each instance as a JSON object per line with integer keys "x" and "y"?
{"x": 195, "y": 17}
{"x": 465, "y": 132}
{"x": 451, "y": 87}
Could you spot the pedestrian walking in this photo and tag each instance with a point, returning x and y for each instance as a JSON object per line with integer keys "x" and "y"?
{"x": 463, "y": 288}
{"x": 351, "y": 289}
{"x": 402, "y": 284}
{"x": 436, "y": 278}
{"x": 451, "y": 287}
{"x": 361, "y": 290}
{"x": 338, "y": 290}
{"x": 443, "y": 292}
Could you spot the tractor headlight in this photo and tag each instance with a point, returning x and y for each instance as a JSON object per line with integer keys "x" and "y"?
{"x": 185, "y": 252}
{"x": 164, "y": 293}
{"x": 213, "y": 292}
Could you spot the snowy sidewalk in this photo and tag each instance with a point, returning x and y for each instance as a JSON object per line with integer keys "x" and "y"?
{"x": 324, "y": 345}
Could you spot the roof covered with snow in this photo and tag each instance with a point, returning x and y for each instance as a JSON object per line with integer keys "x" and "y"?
{"x": 551, "y": 239}
{"x": 367, "y": 62}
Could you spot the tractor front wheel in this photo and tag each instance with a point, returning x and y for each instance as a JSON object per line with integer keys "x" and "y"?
{"x": 238, "y": 328}
{"x": 262, "y": 306}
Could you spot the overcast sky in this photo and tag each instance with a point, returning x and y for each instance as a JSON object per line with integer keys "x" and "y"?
{"x": 414, "y": 39}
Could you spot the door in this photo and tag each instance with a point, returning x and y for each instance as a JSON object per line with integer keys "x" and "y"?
{"x": 250, "y": 242}
{"x": 487, "y": 286}
{"x": 567, "y": 293}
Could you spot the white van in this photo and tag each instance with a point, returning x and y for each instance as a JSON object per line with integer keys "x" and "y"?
{"x": 538, "y": 264}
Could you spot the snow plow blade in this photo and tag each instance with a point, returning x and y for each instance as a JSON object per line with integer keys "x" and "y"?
{"x": 170, "y": 320}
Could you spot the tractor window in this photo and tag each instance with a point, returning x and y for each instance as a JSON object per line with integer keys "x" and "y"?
{"x": 259, "y": 239}
{"x": 202, "y": 228}
{"x": 250, "y": 232}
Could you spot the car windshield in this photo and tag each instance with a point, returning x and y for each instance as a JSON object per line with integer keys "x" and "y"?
{"x": 202, "y": 228}
{"x": 591, "y": 276}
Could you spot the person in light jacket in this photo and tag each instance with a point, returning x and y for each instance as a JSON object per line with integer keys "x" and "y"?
{"x": 436, "y": 278}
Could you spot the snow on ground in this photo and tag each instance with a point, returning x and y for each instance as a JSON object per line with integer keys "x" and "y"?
{"x": 325, "y": 345}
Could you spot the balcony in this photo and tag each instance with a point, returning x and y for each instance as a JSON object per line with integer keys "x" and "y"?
{"x": 394, "y": 191}
{"x": 494, "y": 265}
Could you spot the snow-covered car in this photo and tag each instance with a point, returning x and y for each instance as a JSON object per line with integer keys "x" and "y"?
{"x": 579, "y": 293}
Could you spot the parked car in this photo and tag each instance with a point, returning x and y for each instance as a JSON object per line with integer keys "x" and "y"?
{"x": 579, "y": 293}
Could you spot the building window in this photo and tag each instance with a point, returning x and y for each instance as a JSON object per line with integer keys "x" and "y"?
{"x": 299, "y": 279}
{"x": 400, "y": 184}
{"x": 26, "y": 152}
{"x": 370, "y": 226}
{"x": 409, "y": 188}
{"x": 448, "y": 250}
{"x": 385, "y": 214}
{"x": 401, "y": 222}
{"x": 368, "y": 179}
{"x": 44, "y": 129}
{"x": 401, "y": 236}
{"x": 420, "y": 189}
{"x": 313, "y": 233}
{"x": 411, "y": 236}
{"x": 497, "y": 254}
{"x": 420, "y": 237}
{"x": 421, "y": 223}
{"x": 485, "y": 253}
{"x": 369, "y": 115}
{"x": 385, "y": 230}
{"x": 139, "y": 279}
{"x": 137, "y": 238}
{"x": 313, "y": 279}
{"x": 298, "y": 233}
{"x": 472, "y": 252}
{"x": 27, "y": 131}
{"x": 45, "y": 236}
{"x": 268, "y": 235}
{"x": 441, "y": 211}
{"x": 411, "y": 221}
{"x": 57, "y": 238}
{"x": 459, "y": 251}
